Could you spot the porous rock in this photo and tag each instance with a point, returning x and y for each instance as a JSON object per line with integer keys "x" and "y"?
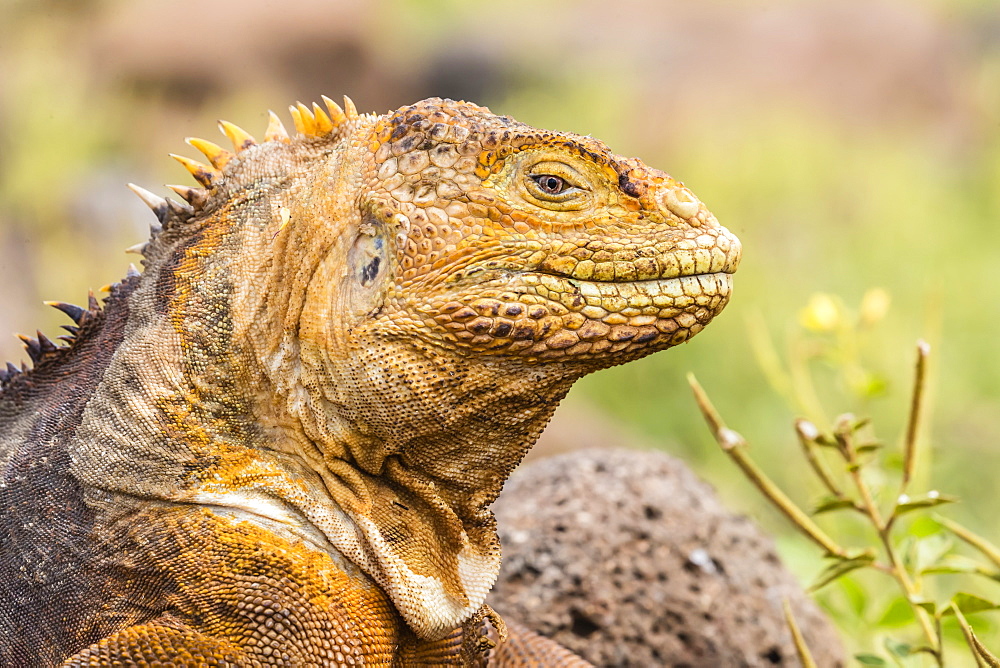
{"x": 628, "y": 559}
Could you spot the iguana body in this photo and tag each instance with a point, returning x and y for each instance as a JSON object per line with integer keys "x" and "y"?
{"x": 279, "y": 444}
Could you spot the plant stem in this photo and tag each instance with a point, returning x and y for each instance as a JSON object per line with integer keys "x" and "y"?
{"x": 913, "y": 424}
{"x": 802, "y": 382}
{"x": 845, "y": 439}
{"x": 735, "y": 446}
{"x": 988, "y": 549}
{"x": 808, "y": 433}
{"x": 805, "y": 657}
{"x": 903, "y": 578}
{"x": 978, "y": 648}
{"x": 844, "y": 436}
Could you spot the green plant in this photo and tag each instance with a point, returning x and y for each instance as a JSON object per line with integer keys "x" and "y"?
{"x": 906, "y": 542}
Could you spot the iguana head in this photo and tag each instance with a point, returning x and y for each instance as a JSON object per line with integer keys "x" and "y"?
{"x": 374, "y": 320}
{"x": 496, "y": 239}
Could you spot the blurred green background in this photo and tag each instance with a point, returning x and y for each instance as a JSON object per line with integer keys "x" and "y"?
{"x": 850, "y": 144}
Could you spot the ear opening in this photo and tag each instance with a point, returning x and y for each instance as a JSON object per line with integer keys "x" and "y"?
{"x": 369, "y": 266}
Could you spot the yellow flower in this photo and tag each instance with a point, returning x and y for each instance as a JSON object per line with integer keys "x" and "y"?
{"x": 874, "y": 306}
{"x": 821, "y": 313}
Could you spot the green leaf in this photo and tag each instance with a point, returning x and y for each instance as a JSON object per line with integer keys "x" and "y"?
{"x": 870, "y": 660}
{"x": 897, "y": 613}
{"x": 907, "y": 551}
{"x": 831, "y": 502}
{"x": 970, "y": 603}
{"x": 842, "y": 567}
{"x": 931, "y": 550}
{"x": 868, "y": 447}
{"x": 899, "y": 649}
{"x": 929, "y": 501}
{"x": 953, "y": 564}
{"x": 871, "y": 385}
{"x": 929, "y": 606}
{"x": 858, "y": 423}
{"x": 924, "y": 526}
{"x": 892, "y": 461}
{"x": 856, "y": 595}
{"x": 826, "y": 441}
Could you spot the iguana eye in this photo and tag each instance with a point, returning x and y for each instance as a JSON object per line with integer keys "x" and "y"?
{"x": 551, "y": 184}
{"x": 551, "y": 181}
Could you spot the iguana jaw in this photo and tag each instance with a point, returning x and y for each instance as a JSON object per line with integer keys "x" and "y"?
{"x": 546, "y": 317}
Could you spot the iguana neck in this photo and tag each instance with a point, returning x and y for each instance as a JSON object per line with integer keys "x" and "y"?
{"x": 432, "y": 423}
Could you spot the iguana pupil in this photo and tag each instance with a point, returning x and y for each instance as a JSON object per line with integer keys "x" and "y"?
{"x": 553, "y": 185}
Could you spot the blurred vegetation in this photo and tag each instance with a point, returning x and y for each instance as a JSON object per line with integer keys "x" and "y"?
{"x": 853, "y": 146}
{"x": 877, "y": 505}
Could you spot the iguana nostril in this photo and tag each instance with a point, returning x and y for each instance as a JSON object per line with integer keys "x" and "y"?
{"x": 680, "y": 202}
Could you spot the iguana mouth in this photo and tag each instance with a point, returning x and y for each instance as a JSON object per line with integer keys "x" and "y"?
{"x": 723, "y": 270}
{"x": 553, "y": 316}
{"x": 640, "y": 302}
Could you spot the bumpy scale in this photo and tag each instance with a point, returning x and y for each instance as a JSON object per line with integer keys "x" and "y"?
{"x": 279, "y": 444}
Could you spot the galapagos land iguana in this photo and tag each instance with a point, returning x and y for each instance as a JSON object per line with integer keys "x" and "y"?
{"x": 278, "y": 445}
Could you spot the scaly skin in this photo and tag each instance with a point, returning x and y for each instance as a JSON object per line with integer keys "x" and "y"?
{"x": 280, "y": 443}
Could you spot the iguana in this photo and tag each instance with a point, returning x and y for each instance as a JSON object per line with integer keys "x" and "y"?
{"x": 278, "y": 445}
